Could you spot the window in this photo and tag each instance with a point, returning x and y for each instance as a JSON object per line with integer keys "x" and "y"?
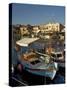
{"x": 53, "y": 55}
{"x": 35, "y": 62}
{"x": 59, "y": 55}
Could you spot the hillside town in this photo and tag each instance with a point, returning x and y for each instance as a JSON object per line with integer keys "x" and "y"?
{"x": 42, "y": 31}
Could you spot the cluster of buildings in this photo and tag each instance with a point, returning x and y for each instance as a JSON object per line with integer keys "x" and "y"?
{"x": 37, "y": 30}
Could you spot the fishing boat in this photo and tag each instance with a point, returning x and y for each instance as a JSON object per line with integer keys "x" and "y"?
{"x": 59, "y": 58}
{"x": 35, "y": 62}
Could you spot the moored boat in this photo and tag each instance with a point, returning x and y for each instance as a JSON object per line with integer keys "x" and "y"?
{"x": 35, "y": 62}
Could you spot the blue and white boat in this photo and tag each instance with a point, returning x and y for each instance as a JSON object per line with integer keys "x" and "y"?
{"x": 34, "y": 61}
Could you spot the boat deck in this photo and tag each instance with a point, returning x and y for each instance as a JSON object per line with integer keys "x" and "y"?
{"x": 29, "y": 57}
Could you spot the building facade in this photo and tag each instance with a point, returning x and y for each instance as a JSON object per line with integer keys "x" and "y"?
{"x": 24, "y": 30}
{"x": 51, "y": 27}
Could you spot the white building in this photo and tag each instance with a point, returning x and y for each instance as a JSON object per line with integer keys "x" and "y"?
{"x": 35, "y": 29}
{"x": 51, "y": 27}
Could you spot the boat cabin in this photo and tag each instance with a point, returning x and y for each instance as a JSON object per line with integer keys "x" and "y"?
{"x": 28, "y": 52}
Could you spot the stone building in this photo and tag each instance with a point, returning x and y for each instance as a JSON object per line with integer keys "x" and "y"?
{"x": 24, "y": 30}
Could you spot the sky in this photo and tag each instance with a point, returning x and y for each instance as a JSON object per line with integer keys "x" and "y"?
{"x": 37, "y": 14}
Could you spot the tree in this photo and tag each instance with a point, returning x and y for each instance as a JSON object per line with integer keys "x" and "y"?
{"x": 29, "y": 28}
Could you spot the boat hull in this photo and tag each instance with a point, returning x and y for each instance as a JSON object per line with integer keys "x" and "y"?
{"x": 45, "y": 73}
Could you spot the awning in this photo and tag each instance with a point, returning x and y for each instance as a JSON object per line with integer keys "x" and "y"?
{"x": 26, "y": 41}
